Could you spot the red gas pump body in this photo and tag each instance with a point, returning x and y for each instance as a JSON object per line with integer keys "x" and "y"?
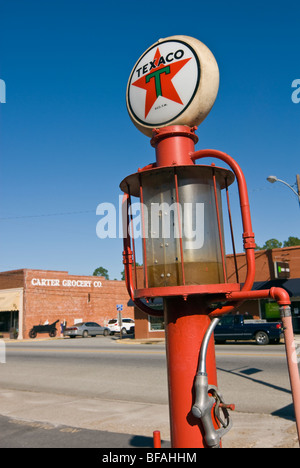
{"x": 169, "y": 113}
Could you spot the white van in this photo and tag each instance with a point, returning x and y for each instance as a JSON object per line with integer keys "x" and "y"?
{"x": 127, "y": 326}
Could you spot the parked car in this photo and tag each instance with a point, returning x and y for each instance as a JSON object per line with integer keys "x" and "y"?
{"x": 128, "y": 325}
{"x": 237, "y": 327}
{"x": 86, "y": 329}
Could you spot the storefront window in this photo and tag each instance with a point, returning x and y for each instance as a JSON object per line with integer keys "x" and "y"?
{"x": 270, "y": 311}
{"x": 156, "y": 323}
{"x": 296, "y": 315}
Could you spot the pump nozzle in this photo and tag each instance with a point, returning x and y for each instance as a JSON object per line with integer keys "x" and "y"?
{"x": 208, "y": 395}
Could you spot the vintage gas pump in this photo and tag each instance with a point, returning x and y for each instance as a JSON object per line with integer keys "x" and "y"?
{"x": 171, "y": 89}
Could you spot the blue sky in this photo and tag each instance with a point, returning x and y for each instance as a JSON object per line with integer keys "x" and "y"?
{"x": 66, "y": 140}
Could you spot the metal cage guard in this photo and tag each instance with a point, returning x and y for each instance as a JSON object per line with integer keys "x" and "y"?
{"x": 235, "y": 297}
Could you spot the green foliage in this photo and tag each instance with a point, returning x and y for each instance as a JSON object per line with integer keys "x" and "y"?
{"x": 276, "y": 244}
{"x": 100, "y": 271}
{"x": 272, "y": 244}
{"x": 291, "y": 242}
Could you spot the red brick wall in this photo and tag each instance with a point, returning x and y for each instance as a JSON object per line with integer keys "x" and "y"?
{"x": 49, "y": 295}
{"x": 142, "y": 326}
{"x": 68, "y": 302}
{"x": 264, "y": 262}
{"x": 12, "y": 279}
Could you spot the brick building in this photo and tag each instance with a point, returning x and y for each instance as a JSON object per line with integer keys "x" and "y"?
{"x": 267, "y": 276}
{"x": 33, "y": 297}
{"x": 266, "y": 262}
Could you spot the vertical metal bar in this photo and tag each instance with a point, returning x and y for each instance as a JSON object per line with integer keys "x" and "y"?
{"x": 127, "y": 253}
{"x": 219, "y": 226}
{"x": 144, "y": 233}
{"x": 132, "y": 236}
{"x": 232, "y": 235}
{"x": 179, "y": 227}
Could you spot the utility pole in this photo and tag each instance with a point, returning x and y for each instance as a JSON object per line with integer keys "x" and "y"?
{"x": 298, "y": 184}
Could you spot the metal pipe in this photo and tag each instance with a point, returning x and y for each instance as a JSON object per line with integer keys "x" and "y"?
{"x": 282, "y": 297}
{"x": 204, "y": 402}
{"x": 203, "y": 352}
{"x": 232, "y": 235}
{"x": 290, "y": 348}
{"x": 219, "y": 227}
{"x": 173, "y": 145}
{"x": 248, "y": 235}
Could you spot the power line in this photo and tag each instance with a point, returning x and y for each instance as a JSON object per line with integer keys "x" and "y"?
{"x": 46, "y": 215}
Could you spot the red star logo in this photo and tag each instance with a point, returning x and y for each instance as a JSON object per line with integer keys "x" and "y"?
{"x": 159, "y": 82}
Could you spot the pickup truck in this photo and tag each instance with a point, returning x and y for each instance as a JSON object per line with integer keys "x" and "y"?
{"x": 238, "y": 327}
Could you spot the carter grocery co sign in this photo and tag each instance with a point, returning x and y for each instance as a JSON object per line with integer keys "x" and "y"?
{"x": 174, "y": 82}
{"x": 66, "y": 283}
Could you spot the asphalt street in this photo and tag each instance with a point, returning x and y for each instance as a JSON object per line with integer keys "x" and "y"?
{"x": 17, "y": 433}
{"x": 50, "y": 396}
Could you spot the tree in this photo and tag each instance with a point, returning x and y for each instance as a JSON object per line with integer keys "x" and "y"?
{"x": 291, "y": 242}
{"x": 100, "y": 271}
{"x": 270, "y": 244}
{"x": 123, "y": 272}
{"x": 276, "y": 244}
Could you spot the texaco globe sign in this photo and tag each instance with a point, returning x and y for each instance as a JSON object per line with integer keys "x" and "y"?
{"x": 175, "y": 82}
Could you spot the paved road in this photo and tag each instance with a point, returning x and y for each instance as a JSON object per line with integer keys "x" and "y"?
{"x": 106, "y": 369}
{"x": 255, "y": 379}
{"x": 94, "y": 368}
{"x": 120, "y": 390}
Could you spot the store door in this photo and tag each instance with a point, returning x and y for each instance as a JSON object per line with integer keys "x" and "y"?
{"x": 9, "y": 320}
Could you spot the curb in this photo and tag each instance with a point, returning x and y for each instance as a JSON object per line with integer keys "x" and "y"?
{"x": 118, "y": 340}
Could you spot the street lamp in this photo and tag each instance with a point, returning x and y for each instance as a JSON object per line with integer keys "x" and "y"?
{"x": 272, "y": 179}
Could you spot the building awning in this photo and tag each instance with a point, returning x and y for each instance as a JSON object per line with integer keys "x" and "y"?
{"x": 292, "y": 286}
{"x": 9, "y": 300}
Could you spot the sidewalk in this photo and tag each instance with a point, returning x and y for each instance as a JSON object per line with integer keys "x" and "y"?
{"x": 53, "y": 423}
{"x": 46, "y": 420}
